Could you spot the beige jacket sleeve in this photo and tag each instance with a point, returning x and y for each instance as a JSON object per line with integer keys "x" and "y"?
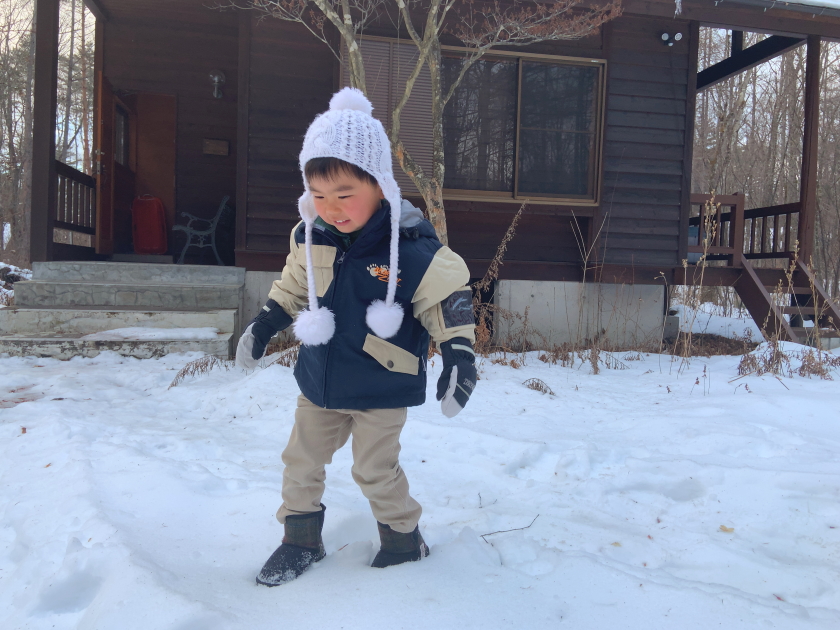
{"x": 446, "y": 274}
{"x": 290, "y": 290}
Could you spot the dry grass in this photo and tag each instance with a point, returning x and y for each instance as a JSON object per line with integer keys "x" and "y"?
{"x": 560, "y": 354}
{"x": 709, "y": 345}
{"x": 484, "y": 311}
{"x": 7, "y": 299}
{"x": 200, "y": 367}
{"x": 817, "y": 363}
{"x": 684, "y": 346}
{"x": 284, "y": 352}
{"x": 772, "y": 359}
{"x": 538, "y": 386}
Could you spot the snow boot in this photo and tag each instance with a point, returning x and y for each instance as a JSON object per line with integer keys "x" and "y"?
{"x": 397, "y": 548}
{"x": 302, "y": 546}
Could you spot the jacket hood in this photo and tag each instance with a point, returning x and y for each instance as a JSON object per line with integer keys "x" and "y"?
{"x": 412, "y": 223}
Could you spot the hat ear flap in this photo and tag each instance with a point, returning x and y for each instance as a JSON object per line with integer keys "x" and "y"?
{"x": 306, "y": 208}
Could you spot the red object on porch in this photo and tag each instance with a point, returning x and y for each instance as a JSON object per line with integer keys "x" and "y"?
{"x": 148, "y": 225}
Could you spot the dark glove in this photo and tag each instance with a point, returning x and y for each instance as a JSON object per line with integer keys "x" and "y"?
{"x": 253, "y": 342}
{"x": 458, "y": 379}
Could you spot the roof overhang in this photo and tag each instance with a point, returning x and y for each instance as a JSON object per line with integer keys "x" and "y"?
{"x": 815, "y": 8}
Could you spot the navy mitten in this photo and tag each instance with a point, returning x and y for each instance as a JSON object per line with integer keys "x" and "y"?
{"x": 459, "y": 376}
{"x": 254, "y": 340}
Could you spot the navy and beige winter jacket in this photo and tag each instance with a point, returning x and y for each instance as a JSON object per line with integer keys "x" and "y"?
{"x": 356, "y": 369}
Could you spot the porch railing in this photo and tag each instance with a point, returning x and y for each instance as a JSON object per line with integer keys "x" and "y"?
{"x": 75, "y": 204}
{"x": 772, "y": 232}
{"x": 769, "y": 232}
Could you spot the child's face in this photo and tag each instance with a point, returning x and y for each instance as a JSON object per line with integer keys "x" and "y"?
{"x": 345, "y": 202}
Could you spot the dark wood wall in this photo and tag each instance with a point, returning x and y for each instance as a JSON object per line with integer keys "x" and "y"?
{"x": 645, "y": 156}
{"x": 165, "y": 47}
{"x": 291, "y": 78}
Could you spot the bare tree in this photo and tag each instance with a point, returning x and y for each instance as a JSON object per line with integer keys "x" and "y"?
{"x": 17, "y": 50}
{"x": 479, "y": 26}
{"x": 17, "y": 56}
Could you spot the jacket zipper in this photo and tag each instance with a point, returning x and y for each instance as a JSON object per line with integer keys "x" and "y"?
{"x": 332, "y": 301}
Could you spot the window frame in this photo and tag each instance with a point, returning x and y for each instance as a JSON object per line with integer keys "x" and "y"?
{"x": 597, "y": 162}
{"x": 596, "y": 159}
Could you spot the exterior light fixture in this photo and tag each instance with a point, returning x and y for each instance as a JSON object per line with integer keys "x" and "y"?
{"x": 669, "y": 39}
{"x": 217, "y": 78}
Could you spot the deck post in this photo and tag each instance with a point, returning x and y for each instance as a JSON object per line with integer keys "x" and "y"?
{"x": 810, "y": 140}
{"x": 42, "y": 212}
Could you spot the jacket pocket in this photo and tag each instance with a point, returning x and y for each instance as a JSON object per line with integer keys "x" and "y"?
{"x": 323, "y": 257}
{"x": 391, "y": 357}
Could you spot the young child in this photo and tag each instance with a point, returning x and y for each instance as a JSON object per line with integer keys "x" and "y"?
{"x": 366, "y": 284}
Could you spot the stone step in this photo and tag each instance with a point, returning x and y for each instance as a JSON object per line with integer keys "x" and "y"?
{"x": 187, "y": 297}
{"x": 83, "y": 321}
{"x": 67, "y": 346}
{"x": 139, "y": 273}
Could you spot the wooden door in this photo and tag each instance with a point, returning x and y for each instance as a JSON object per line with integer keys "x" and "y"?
{"x": 123, "y": 181}
{"x": 104, "y": 167}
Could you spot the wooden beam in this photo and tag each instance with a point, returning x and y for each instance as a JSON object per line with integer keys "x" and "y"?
{"x": 779, "y": 20}
{"x": 810, "y": 140}
{"x": 243, "y": 100}
{"x": 688, "y": 138}
{"x": 42, "y": 213}
{"x": 758, "y": 53}
{"x": 96, "y": 8}
{"x": 737, "y": 43}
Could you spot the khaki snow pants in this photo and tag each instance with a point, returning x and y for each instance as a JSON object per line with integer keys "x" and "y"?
{"x": 318, "y": 433}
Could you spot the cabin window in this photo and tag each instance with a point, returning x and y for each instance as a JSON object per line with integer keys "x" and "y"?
{"x": 519, "y": 126}
{"x": 525, "y": 128}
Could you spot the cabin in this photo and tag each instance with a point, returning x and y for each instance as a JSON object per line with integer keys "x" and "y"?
{"x": 197, "y": 104}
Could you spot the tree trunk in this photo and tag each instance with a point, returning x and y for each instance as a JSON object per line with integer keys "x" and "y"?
{"x": 434, "y": 193}
{"x": 87, "y": 167}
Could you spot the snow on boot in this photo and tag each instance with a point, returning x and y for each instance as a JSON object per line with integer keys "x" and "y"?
{"x": 397, "y": 548}
{"x": 302, "y": 546}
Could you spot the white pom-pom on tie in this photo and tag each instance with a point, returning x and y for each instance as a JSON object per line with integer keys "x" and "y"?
{"x": 315, "y": 328}
{"x": 384, "y": 320}
{"x": 306, "y": 208}
{"x": 351, "y": 98}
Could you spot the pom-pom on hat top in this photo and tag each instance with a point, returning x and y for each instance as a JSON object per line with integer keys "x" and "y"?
{"x": 347, "y": 131}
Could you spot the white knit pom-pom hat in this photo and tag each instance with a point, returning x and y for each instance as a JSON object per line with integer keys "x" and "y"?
{"x": 347, "y": 131}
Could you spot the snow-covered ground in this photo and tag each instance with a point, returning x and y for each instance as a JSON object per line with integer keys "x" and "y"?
{"x": 655, "y": 499}
{"x": 707, "y": 319}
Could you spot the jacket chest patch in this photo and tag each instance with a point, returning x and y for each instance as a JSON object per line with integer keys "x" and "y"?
{"x": 382, "y": 272}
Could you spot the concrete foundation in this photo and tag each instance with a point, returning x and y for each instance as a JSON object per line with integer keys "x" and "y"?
{"x": 618, "y": 315}
{"x": 257, "y": 286}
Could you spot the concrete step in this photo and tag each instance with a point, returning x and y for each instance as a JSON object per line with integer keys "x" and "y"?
{"x": 67, "y": 346}
{"x": 23, "y": 321}
{"x": 176, "y": 296}
{"x": 136, "y": 273}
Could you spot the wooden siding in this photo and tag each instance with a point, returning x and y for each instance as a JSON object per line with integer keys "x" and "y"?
{"x": 170, "y": 48}
{"x": 645, "y": 141}
{"x": 292, "y": 76}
